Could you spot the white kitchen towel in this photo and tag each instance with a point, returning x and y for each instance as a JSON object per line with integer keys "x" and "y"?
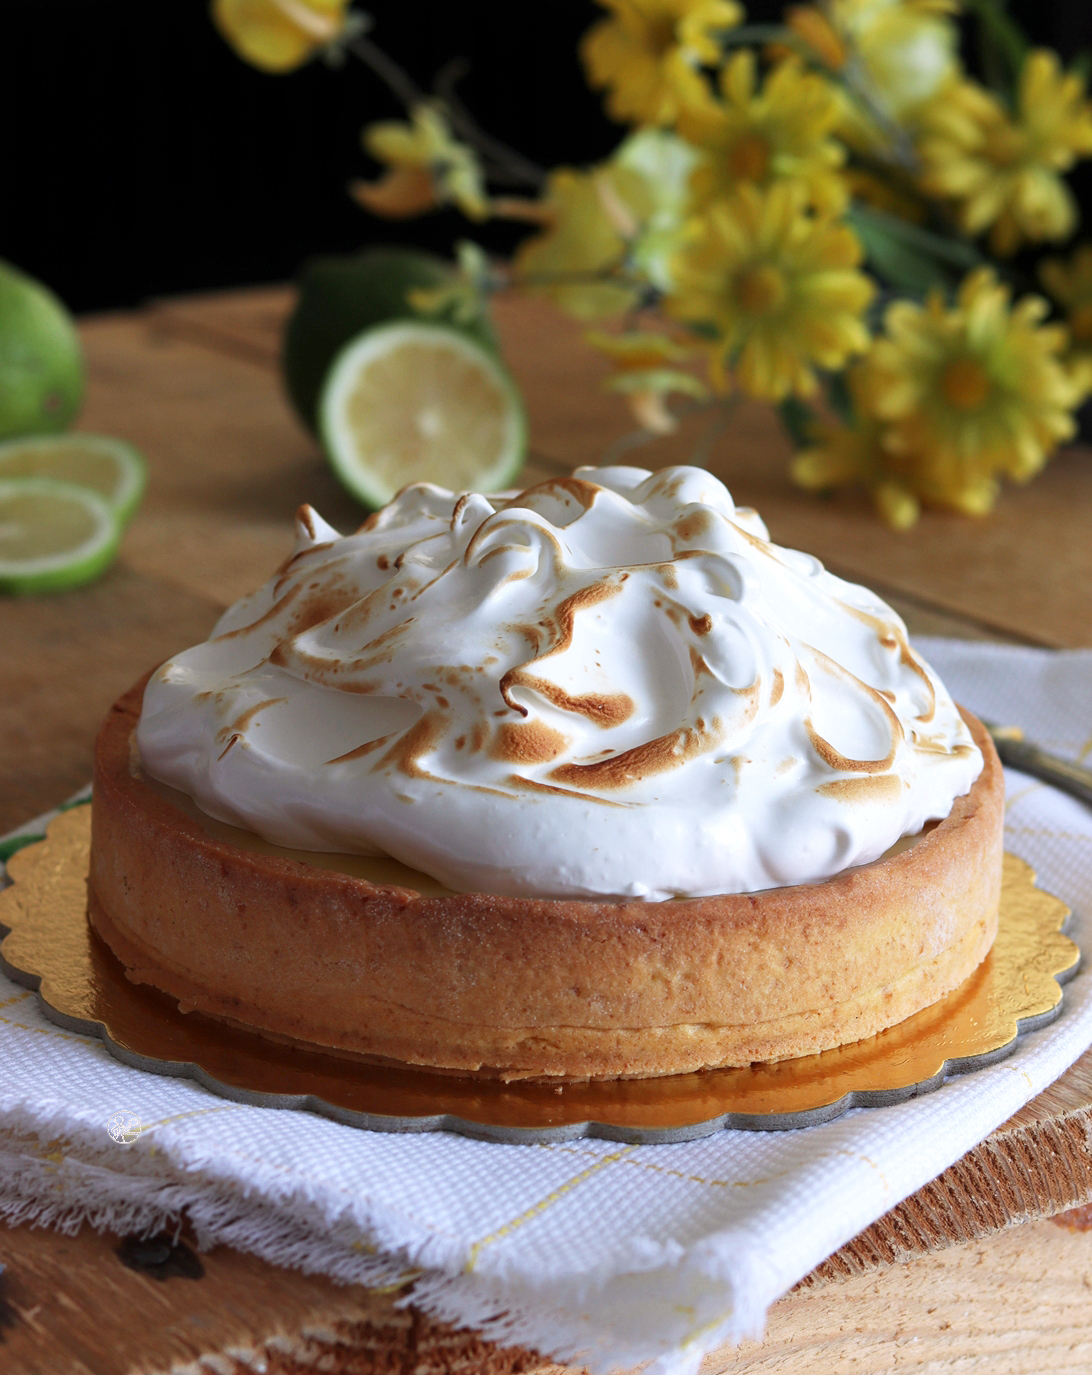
{"x": 589, "y": 1251}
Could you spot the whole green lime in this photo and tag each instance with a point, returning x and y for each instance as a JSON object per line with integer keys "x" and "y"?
{"x": 341, "y": 296}
{"x": 41, "y": 364}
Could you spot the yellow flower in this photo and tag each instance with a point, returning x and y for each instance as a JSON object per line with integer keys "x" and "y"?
{"x": 854, "y": 454}
{"x": 841, "y": 454}
{"x": 638, "y": 350}
{"x": 1004, "y": 172}
{"x": 1078, "y": 366}
{"x": 645, "y": 374}
{"x": 465, "y": 297}
{"x": 579, "y": 260}
{"x": 665, "y": 162}
{"x": 279, "y": 35}
{"x": 608, "y": 233}
{"x": 427, "y": 167}
{"x": 906, "y": 49}
{"x": 816, "y": 30}
{"x": 647, "y": 53}
{"x": 891, "y": 55}
{"x": 1071, "y": 286}
{"x": 837, "y": 455}
{"x": 780, "y": 288}
{"x": 950, "y": 400}
{"x": 968, "y": 393}
{"x": 779, "y": 133}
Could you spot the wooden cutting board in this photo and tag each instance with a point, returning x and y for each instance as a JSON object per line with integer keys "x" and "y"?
{"x": 965, "y": 1275}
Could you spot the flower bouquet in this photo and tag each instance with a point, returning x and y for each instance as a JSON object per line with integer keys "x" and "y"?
{"x": 830, "y": 214}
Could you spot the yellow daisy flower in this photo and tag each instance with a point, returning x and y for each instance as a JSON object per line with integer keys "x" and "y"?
{"x": 427, "y": 167}
{"x": 646, "y": 54}
{"x": 578, "y": 261}
{"x": 1004, "y": 172}
{"x": 844, "y": 454}
{"x": 782, "y": 131}
{"x": 781, "y": 289}
{"x": 1071, "y": 286}
{"x": 279, "y": 35}
{"x": 968, "y": 393}
{"x": 854, "y": 453}
{"x": 892, "y": 57}
{"x": 839, "y": 453}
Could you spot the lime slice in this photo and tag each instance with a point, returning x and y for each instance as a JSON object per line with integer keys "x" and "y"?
{"x": 108, "y": 466}
{"x": 53, "y": 535}
{"x": 408, "y": 402}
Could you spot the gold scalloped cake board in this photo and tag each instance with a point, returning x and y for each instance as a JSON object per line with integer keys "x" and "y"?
{"x": 82, "y": 987}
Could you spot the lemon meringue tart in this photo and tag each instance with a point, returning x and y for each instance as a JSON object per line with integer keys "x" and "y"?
{"x": 590, "y": 780}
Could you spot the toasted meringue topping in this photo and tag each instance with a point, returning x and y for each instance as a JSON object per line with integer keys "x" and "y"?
{"x": 609, "y": 685}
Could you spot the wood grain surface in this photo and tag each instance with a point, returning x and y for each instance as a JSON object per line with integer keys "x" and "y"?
{"x": 965, "y": 1275}
{"x": 1016, "y": 1304}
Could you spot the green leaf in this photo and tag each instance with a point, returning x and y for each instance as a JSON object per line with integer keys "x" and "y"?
{"x": 798, "y": 418}
{"x": 839, "y": 397}
{"x": 950, "y": 249}
{"x": 907, "y": 257}
{"x": 1003, "y": 41}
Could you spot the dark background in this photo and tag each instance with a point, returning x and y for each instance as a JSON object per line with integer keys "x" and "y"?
{"x": 143, "y": 158}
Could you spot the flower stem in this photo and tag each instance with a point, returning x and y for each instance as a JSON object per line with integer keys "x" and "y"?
{"x": 503, "y": 163}
{"x": 507, "y": 163}
{"x": 747, "y": 34}
{"x": 637, "y": 439}
{"x": 718, "y": 424}
{"x": 1001, "y": 35}
{"x": 853, "y": 82}
{"x": 387, "y": 70}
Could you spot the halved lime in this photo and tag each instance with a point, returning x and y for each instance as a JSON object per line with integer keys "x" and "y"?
{"x": 53, "y": 535}
{"x": 108, "y": 466}
{"x": 342, "y": 295}
{"x": 408, "y": 402}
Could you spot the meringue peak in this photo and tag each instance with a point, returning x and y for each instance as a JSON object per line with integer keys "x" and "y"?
{"x": 610, "y": 684}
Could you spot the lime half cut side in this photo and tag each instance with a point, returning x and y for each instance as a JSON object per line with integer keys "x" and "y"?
{"x": 110, "y": 467}
{"x": 408, "y": 402}
{"x": 53, "y": 535}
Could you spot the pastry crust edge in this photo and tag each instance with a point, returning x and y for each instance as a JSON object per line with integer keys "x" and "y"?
{"x": 518, "y": 988}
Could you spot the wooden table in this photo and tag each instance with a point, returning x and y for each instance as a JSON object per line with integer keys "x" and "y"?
{"x": 969, "y": 1274}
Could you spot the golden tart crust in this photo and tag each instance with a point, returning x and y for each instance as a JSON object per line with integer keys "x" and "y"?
{"x": 475, "y": 983}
